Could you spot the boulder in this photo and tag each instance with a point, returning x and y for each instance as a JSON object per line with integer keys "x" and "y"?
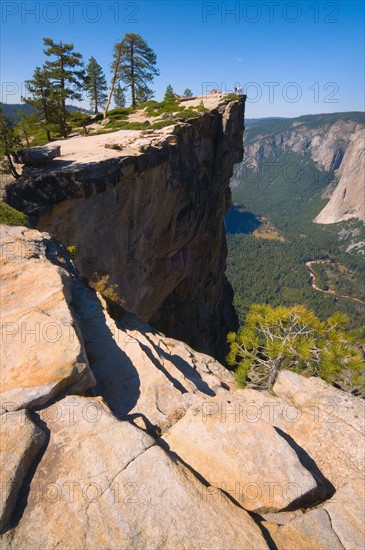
{"x": 42, "y": 352}
{"x": 249, "y": 460}
{"x": 20, "y": 442}
{"x": 102, "y": 483}
{"x": 37, "y": 156}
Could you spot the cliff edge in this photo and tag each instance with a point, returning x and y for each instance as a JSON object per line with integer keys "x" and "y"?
{"x": 147, "y": 208}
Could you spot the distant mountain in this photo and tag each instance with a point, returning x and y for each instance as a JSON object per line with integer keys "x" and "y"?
{"x": 10, "y": 110}
{"x": 336, "y": 144}
{"x": 251, "y": 121}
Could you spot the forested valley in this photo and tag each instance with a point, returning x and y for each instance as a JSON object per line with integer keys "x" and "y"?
{"x": 271, "y": 237}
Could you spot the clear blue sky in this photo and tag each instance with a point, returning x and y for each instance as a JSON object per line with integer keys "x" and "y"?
{"x": 291, "y": 58}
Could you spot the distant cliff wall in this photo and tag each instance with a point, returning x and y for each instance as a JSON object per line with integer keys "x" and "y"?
{"x": 337, "y": 146}
{"x": 153, "y": 221}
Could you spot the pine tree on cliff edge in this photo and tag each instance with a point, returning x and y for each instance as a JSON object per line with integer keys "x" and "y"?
{"x": 135, "y": 65}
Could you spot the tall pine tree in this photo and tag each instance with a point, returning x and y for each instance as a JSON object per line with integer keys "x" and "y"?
{"x": 95, "y": 84}
{"x": 135, "y": 65}
{"x": 66, "y": 76}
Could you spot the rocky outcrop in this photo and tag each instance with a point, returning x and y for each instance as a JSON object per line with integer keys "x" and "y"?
{"x": 37, "y": 156}
{"x": 165, "y": 451}
{"x": 149, "y": 212}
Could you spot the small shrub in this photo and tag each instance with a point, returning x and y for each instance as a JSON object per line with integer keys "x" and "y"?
{"x": 115, "y": 303}
{"x": 71, "y": 251}
{"x": 232, "y": 97}
{"x": 77, "y": 118}
{"x": 11, "y": 216}
{"x": 162, "y": 123}
{"x": 120, "y": 111}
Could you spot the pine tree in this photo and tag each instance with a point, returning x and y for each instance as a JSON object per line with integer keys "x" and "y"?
{"x": 119, "y": 97}
{"x": 293, "y": 338}
{"x": 135, "y": 64}
{"x": 169, "y": 92}
{"x": 187, "y": 93}
{"x": 42, "y": 98}
{"x": 26, "y": 126}
{"x": 95, "y": 84}
{"x": 66, "y": 76}
{"x": 143, "y": 95}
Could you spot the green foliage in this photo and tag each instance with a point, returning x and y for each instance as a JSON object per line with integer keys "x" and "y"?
{"x": 231, "y": 97}
{"x": 65, "y": 76}
{"x": 187, "y": 93}
{"x": 135, "y": 65}
{"x": 119, "y": 97}
{"x": 293, "y": 338}
{"x": 9, "y": 142}
{"x": 71, "y": 251}
{"x": 169, "y": 92}
{"x": 78, "y": 118}
{"x": 287, "y": 189}
{"x": 11, "y": 216}
{"x": 162, "y": 123}
{"x": 95, "y": 85}
{"x": 169, "y": 105}
{"x": 26, "y": 126}
{"x": 125, "y": 111}
{"x": 42, "y": 98}
{"x": 116, "y": 125}
{"x": 110, "y": 294}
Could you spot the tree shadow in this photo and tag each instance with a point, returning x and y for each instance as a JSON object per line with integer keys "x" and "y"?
{"x": 189, "y": 372}
{"x": 117, "y": 378}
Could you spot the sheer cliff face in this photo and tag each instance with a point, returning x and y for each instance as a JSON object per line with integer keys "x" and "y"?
{"x": 152, "y": 220}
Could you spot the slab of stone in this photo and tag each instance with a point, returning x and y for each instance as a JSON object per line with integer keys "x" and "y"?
{"x": 249, "y": 460}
